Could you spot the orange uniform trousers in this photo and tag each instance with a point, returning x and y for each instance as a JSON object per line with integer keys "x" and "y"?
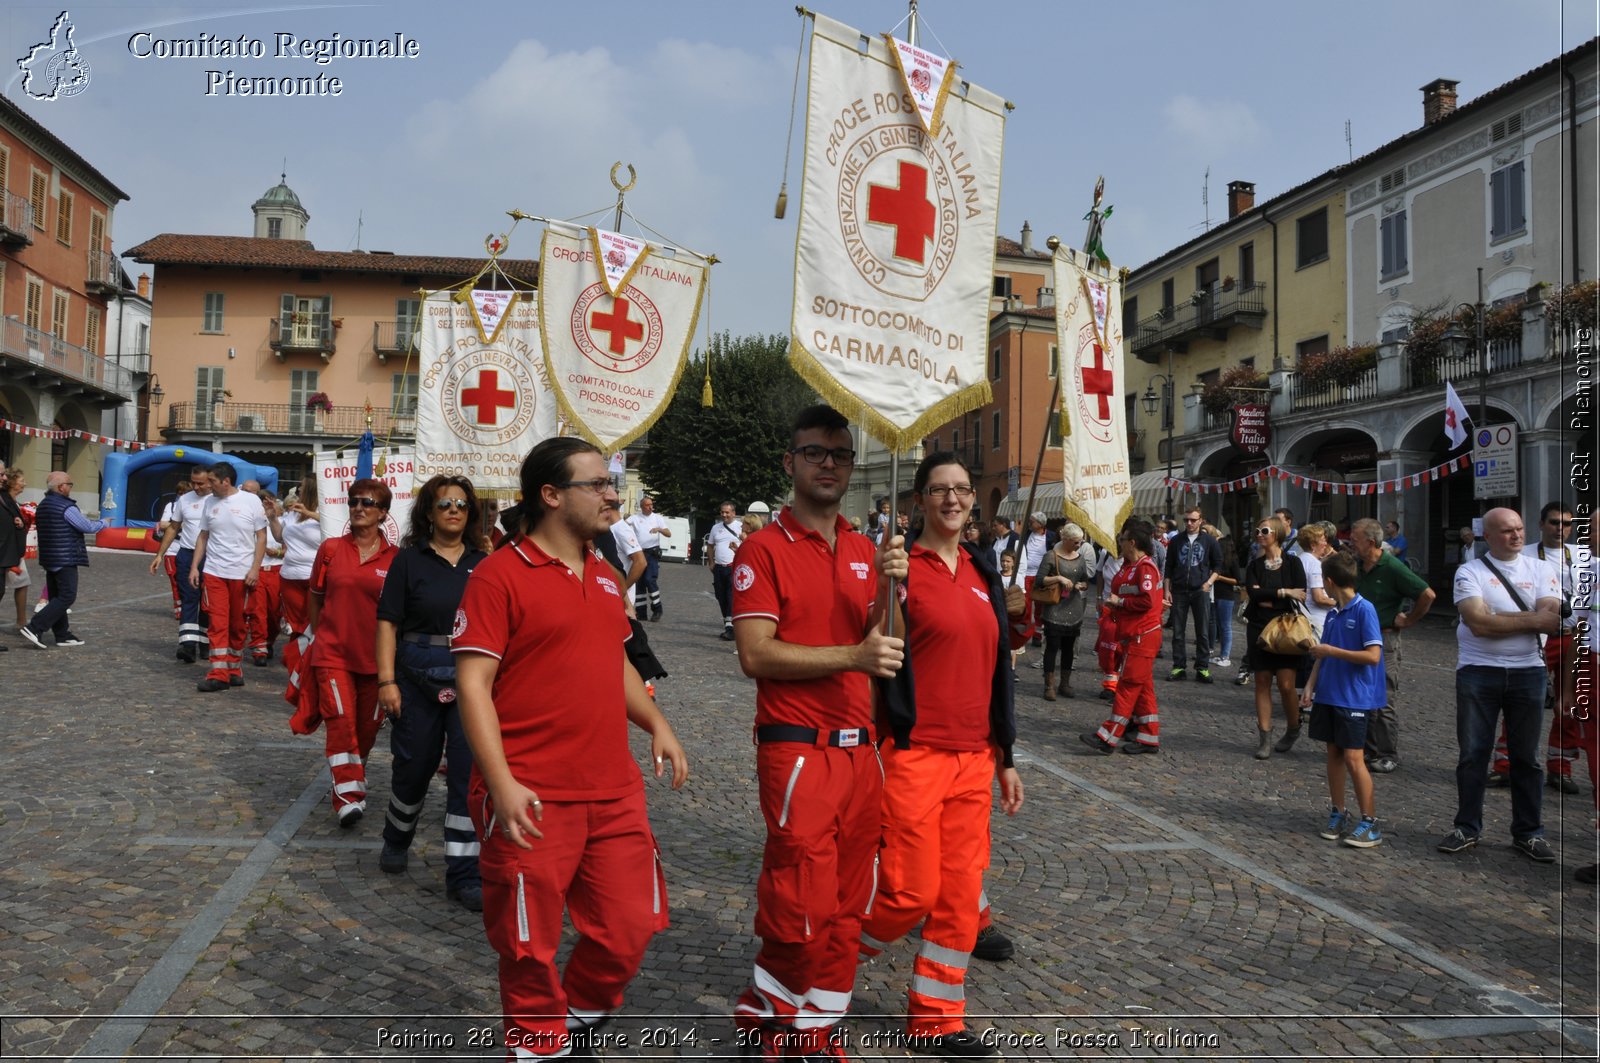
{"x": 225, "y": 602}
{"x": 823, "y": 808}
{"x": 264, "y": 613}
{"x": 936, "y": 808}
{"x": 598, "y": 863}
{"x": 351, "y": 719}
{"x": 1135, "y": 706}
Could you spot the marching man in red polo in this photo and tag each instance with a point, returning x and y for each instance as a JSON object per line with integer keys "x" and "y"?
{"x": 809, "y": 600}
{"x": 547, "y": 693}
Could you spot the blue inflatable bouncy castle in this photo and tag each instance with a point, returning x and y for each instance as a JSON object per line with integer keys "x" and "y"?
{"x": 139, "y": 485}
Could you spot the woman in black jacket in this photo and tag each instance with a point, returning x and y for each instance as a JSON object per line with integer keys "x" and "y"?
{"x": 1274, "y": 583}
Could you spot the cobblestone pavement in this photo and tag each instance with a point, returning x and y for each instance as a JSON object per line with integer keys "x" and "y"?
{"x": 174, "y": 885}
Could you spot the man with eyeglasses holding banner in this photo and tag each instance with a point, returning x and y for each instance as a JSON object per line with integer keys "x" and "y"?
{"x": 809, "y": 601}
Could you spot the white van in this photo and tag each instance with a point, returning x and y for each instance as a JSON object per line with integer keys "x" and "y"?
{"x": 676, "y": 546}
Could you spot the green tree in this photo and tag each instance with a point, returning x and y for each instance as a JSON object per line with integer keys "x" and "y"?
{"x": 698, "y": 458}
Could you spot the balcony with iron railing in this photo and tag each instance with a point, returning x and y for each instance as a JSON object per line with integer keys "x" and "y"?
{"x": 1207, "y": 314}
{"x": 1462, "y": 364}
{"x": 1331, "y": 395}
{"x": 286, "y": 419}
{"x": 390, "y": 338}
{"x": 16, "y": 221}
{"x": 309, "y": 332}
{"x": 104, "y": 274}
{"x": 51, "y": 362}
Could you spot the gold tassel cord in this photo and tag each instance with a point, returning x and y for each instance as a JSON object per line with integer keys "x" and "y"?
{"x": 706, "y": 402}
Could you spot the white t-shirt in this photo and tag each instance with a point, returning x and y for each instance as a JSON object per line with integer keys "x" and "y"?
{"x": 1534, "y": 580}
{"x": 169, "y": 513}
{"x": 267, "y": 559}
{"x": 627, "y": 541}
{"x": 1313, "y": 567}
{"x": 1110, "y": 565}
{"x": 724, "y": 540}
{"x": 647, "y": 528}
{"x": 188, "y": 509}
{"x": 230, "y": 525}
{"x": 1032, "y": 555}
{"x": 301, "y": 537}
{"x": 1566, "y": 564}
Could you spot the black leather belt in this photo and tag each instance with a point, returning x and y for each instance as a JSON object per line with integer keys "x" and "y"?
{"x": 422, "y": 639}
{"x": 843, "y": 739}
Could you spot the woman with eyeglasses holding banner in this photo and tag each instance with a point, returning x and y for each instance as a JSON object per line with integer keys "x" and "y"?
{"x": 346, "y": 578}
{"x": 417, "y": 678}
{"x": 1274, "y": 585}
{"x": 952, "y": 719}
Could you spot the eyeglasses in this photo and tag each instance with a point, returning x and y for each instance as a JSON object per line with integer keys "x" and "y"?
{"x": 599, "y": 485}
{"x": 365, "y": 503}
{"x": 940, "y": 492}
{"x": 1263, "y": 531}
{"x": 445, "y": 504}
{"x": 843, "y": 457}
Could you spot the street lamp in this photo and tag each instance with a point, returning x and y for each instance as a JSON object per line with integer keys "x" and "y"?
{"x": 1149, "y": 400}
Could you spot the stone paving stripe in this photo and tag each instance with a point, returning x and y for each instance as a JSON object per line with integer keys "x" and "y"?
{"x": 1146, "y": 847}
{"x": 1438, "y": 1029}
{"x": 285, "y": 743}
{"x": 1497, "y": 995}
{"x": 117, "y": 1035}
{"x": 338, "y": 844}
{"x": 221, "y": 842}
{"x": 77, "y": 610}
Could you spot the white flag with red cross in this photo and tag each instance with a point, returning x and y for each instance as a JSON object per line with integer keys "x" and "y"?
{"x": 894, "y": 263}
{"x": 1098, "y": 489}
{"x": 1455, "y": 416}
{"x": 616, "y": 320}
{"x": 483, "y": 395}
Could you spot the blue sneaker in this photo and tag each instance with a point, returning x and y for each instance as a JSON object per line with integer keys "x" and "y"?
{"x": 1366, "y": 835}
{"x": 1339, "y": 824}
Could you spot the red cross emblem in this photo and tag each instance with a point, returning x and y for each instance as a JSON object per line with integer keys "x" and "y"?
{"x": 1098, "y": 381}
{"x": 618, "y": 326}
{"x": 488, "y": 394}
{"x": 906, "y": 208}
{"x": 1450, "y": 417}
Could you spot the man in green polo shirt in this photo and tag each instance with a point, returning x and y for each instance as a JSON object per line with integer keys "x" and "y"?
{"x": 1387, "y": 582}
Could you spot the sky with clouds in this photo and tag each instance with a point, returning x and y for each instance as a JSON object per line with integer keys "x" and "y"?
{"x": 527, "y": 105}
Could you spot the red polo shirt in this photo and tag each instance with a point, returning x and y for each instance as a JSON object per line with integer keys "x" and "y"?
{"x": 559, "y": 639}
{"x": 818, "y": 597}
{"x": 347, "y": 626}
{"x": 954, "y": 640}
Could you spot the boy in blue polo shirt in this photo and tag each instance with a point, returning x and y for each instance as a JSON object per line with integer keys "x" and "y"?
{"x": 1345, "y": 688}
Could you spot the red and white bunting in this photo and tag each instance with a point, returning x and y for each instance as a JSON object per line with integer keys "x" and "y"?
{"x": 1374, "y": 487}
{"x": 68, "y": 433}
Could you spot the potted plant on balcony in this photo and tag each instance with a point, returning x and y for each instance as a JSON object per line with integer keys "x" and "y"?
{"x": 320, "y": 406}
{"x": 1339, "y": 367}
{"x": 1574, "y": 307}
{"x": 1220, "y": 394}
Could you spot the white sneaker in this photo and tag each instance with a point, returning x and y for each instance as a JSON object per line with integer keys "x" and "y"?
{"x": 27, "y": 633}
{"x": 1221, "y": 662}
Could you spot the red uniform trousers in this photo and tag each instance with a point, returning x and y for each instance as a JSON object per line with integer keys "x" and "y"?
{"x": 293, "y": 594}
{"x": 1136, "y": 694}
{"x": 225, "y": 602}
{"x": 598, "y": 862}
{"x": 169, "y": 563}
{"x": 1108, "y": 649}
{"x": 264, "y": 614}
{"x": 823, "y": 808}
{"x": 351, "y": 720}
{"x": 936, "y": 807}
{"x": 1566, "y": 738}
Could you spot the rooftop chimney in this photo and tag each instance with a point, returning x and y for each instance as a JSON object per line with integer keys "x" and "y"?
{"x": 1241, "y": 197}
{"x": 1047, "y": 297}
{"x": 1438, "y": 100}
{"x": 144, "y": 285}
{"x": 1027, "y": 239}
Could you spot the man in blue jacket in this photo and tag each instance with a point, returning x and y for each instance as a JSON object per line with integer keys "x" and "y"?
{"x": 62, "y": 527}
{"x": 1193, "y": 558}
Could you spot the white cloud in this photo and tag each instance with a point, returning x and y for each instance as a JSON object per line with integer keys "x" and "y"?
{"x": 1219, "y": 125}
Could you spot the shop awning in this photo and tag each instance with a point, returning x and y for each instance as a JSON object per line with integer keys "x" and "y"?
{"x": 1049, "y": 498}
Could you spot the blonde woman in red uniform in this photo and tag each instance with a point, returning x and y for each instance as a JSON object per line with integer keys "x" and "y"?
{"x": 949, "y": 741}
{"x": 1135, "y": 601}
{"x": 346, "y": 579}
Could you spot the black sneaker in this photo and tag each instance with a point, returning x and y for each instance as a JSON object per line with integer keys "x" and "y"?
{"x": 1135, "y": 748}
{"x": 1096, "y": 743}
{"x": 211, "y": 686}
{"x": 393, "y": 859}
{"x": 236, "y": 680}
{"x": 1459, "y": 840}
{"x": 1203, "y": 675}
{"x": 1535, "y": 848}
{"x": 1177, "y": 675}
{"x": 186, "y": 653}
{"x": 960, "y": 1044}
{"x": 727, "y": 634}
{"x": 469, "y": 896}
{"x": 993, "y": 946}
{"x": 70, "y": 640}
{"x": 1563, "y": 783}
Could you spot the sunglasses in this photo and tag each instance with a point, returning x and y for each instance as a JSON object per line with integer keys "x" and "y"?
{"x": 365, "y": 503}
{"x": 1263, "y": 531}
{"x": 446, "y": 504}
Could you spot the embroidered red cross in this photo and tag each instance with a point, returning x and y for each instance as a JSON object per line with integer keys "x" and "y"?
{"x": 488, "y": 393}
{"x": 907, "y": 209}
{"x": 1099, "y": 381}
{"x": 617, "y": 324}
{"x": 1450, "y": 416}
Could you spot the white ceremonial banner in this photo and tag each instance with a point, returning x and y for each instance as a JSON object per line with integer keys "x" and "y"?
{"x": 484, "y": 396}
{"x": 335, "y": 474}
{"x": 614, "y": 361}
{"x": 928, "y": 77}
{"x": 894, "y": 263}
{"x": 1097, "y": 492}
